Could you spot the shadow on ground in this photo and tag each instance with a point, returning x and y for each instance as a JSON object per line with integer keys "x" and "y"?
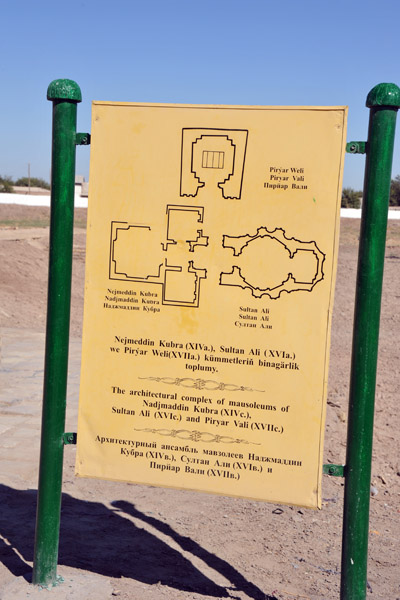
{"x": 102, "y": 540}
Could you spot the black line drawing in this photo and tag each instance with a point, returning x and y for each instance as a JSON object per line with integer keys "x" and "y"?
{"x": 213, "y": 157}
{"x": 183, "y": 226}
{"x": 138, "y": 255}
{"x": 181, "y": 286}
{"x": 198, "y": 436}
{"x": 126, "y": 262}
{"x": 202, "y": 384}
{"x": 310, "y": 266}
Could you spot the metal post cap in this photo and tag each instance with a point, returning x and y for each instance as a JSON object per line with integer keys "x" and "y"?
{"x": 64, "y": 89}
{"x": 384, "y": 94}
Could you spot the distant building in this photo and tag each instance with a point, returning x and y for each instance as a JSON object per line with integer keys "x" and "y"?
{"x": 85, "y": 189}
{"x": 81, "y": 187}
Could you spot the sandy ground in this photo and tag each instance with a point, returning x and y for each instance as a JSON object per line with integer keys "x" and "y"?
{"x": 151, "y": 543}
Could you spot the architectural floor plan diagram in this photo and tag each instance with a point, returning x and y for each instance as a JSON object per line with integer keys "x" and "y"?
{"x": 300, "y": 263}
{"x": 137, "y": 254}
{"x": 213, "y": 158}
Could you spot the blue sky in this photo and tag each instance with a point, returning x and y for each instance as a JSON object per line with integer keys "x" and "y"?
{"x": 286, "y": 52}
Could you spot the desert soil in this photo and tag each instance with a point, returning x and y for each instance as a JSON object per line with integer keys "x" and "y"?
{"x": 153, "y": 543}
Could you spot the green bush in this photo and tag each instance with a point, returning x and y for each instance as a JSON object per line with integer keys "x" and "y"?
{"x": 351, "y": 198}
{"x": 395, "y": 191}
{"x": 6, "y": 185}
{"x": 34, "y": 182}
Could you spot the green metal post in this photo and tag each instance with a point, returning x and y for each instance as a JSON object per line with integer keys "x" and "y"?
{"x": 383, "y": 101}
{"x": 65, "y": 95}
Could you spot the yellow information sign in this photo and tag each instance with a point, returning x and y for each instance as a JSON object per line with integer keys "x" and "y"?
{"x": 211, "y": 252}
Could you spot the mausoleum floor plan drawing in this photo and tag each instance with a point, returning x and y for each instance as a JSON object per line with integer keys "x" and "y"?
{"x": 180, "y": 277}
{"x": 301, "y": 263}
{"x": 213, "y": 158}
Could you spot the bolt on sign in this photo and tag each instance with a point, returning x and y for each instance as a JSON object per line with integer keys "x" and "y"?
{"x": 211, "y": 254}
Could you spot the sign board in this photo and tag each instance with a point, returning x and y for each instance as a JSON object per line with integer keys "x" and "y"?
{"x": 211, "y": 252}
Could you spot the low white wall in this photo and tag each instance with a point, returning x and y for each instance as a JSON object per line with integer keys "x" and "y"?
{"x": 355, "y": 213}
{"x": 37, "y": 200}
{"x": 348, "y": 213}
